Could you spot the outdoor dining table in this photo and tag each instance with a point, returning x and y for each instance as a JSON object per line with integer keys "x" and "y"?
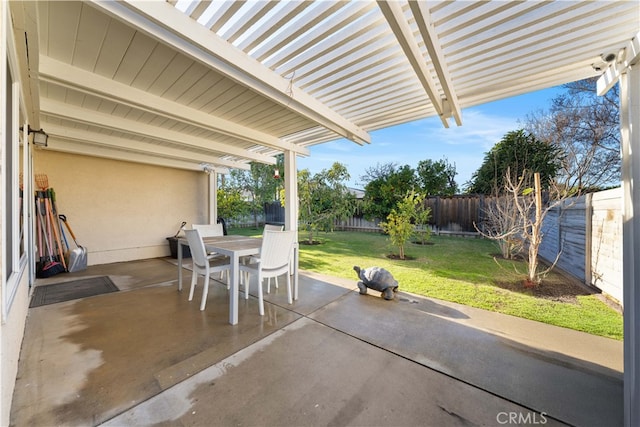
{"x": 234, "y": 247}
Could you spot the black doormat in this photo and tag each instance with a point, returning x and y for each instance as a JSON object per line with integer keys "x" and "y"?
{"x": 67, "y": 291}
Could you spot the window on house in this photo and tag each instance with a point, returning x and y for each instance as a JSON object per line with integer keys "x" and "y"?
{"x": 8, "y": 171}
{"x": 13, "y": 250}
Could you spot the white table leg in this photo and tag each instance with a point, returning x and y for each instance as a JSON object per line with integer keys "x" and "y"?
{"x": 233, "y": 295}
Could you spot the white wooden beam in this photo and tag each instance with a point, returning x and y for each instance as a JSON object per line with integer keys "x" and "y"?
{"x": 168, "y": 25}
{"x": 292, "y": 32}
{"x": 392, "y": 11}
{"x": 200, "y": 8}
{"x": 95, "y": 118}
{"x": 82, "y": 136}
{"x": 421, "y": 13}
{"x": 630, "y": 142}
{"x": 25, "y": 27}
{"x": 624, "y": 70}
{"x": 253, "y": 15}
{"x": 57, "y": 144}
{"x": 69, "y": 76}
{"x": 627, "y": 56}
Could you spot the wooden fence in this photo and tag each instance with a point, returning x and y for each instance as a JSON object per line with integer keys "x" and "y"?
{"x": 456, "y": 213}
{"x": 587, "y": 232}
{"x": 358, "y": 223}
{"x": 449, "y": 215}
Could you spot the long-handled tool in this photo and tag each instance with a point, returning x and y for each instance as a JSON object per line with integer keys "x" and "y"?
{"x": 180, "y": 229}
{"x": 42, "y": 231}
{"x": 49, "y": 267}
{"x": 78, "y": 256}
{"x": 54, "y": 228}
{"x": 63, "y": 237}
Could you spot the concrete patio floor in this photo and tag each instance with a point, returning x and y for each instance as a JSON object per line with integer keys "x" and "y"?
{"x": 147, "y": 356}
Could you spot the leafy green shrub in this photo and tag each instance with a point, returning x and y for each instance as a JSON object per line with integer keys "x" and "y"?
{"x": 401, "y": 222}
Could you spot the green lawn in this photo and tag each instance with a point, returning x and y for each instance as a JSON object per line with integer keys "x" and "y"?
{"x": 456, "y": 269}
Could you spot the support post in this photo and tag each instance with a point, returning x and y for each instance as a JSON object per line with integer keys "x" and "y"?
{"x": 213, "y": 197}
{"x": 630, "y": 129}
{"x": 291, "y": 209}
{"x": 290, "y": 191}
{"x": 588, "y": 237}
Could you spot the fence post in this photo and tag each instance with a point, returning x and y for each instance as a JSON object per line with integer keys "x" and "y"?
{"x": 437, "y": 214}
{"x": 588, "y": 223}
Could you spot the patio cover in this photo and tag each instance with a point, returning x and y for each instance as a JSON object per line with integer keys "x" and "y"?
{"x": 187, "y": 83}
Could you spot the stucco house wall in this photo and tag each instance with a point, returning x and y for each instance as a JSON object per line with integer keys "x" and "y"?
{"x": 11, "y": 334}
{"x": 121, "y": 211}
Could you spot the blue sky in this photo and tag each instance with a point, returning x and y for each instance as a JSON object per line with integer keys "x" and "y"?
{"x": 483, "y": 126}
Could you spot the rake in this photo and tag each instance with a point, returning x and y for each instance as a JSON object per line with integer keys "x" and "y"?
{"x": 42, "y": 181}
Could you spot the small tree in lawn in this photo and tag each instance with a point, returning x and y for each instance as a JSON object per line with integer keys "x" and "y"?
{"x": 399, "y": 225}
{"x": 502, "y": 224}
{"x": 531, "y": 211}
{"x": 421, "y": 216}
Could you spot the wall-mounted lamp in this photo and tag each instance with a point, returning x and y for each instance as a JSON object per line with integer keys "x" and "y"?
{"x": 608, "y": 57}
{"x": 40, "y": 137}
{"x": 207, "y": 168}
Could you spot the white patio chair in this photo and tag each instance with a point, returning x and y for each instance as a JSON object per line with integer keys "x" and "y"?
{"x": 250, "y": 259}
{"x": 273, "y": 227}
{"x": 274, "y": 260}
{"x": 211, "y": 230}
{"x": 202, "y": 265}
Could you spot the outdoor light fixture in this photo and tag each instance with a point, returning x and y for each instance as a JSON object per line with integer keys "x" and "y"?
{"x": 40, "y": 137}
{"x": 608, "y": 57}
{"x": 207, "y": 168}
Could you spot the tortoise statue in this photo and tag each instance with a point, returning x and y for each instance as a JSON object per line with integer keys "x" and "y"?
{"x": 378, "y": 279}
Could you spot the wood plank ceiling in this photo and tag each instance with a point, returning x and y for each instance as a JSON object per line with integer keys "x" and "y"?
{"x": 187, "y": 82}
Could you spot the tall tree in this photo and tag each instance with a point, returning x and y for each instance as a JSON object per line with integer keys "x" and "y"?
{"x": 324, "y": 198}
{"x": 519, "y": 152}
{"x": 231, "y": 204}
{"x": 585, "y": 127}
{"x": 259, "y": 184}
{"x": 437, "y": 178}
{"x": 387, "y": 185}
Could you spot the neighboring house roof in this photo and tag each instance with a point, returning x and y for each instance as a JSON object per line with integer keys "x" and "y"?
{"x": 190, "y": 82}
{"x": 357, "y": 192}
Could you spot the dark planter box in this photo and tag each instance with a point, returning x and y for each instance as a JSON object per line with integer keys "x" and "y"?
{"x": 173, "y": 246}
